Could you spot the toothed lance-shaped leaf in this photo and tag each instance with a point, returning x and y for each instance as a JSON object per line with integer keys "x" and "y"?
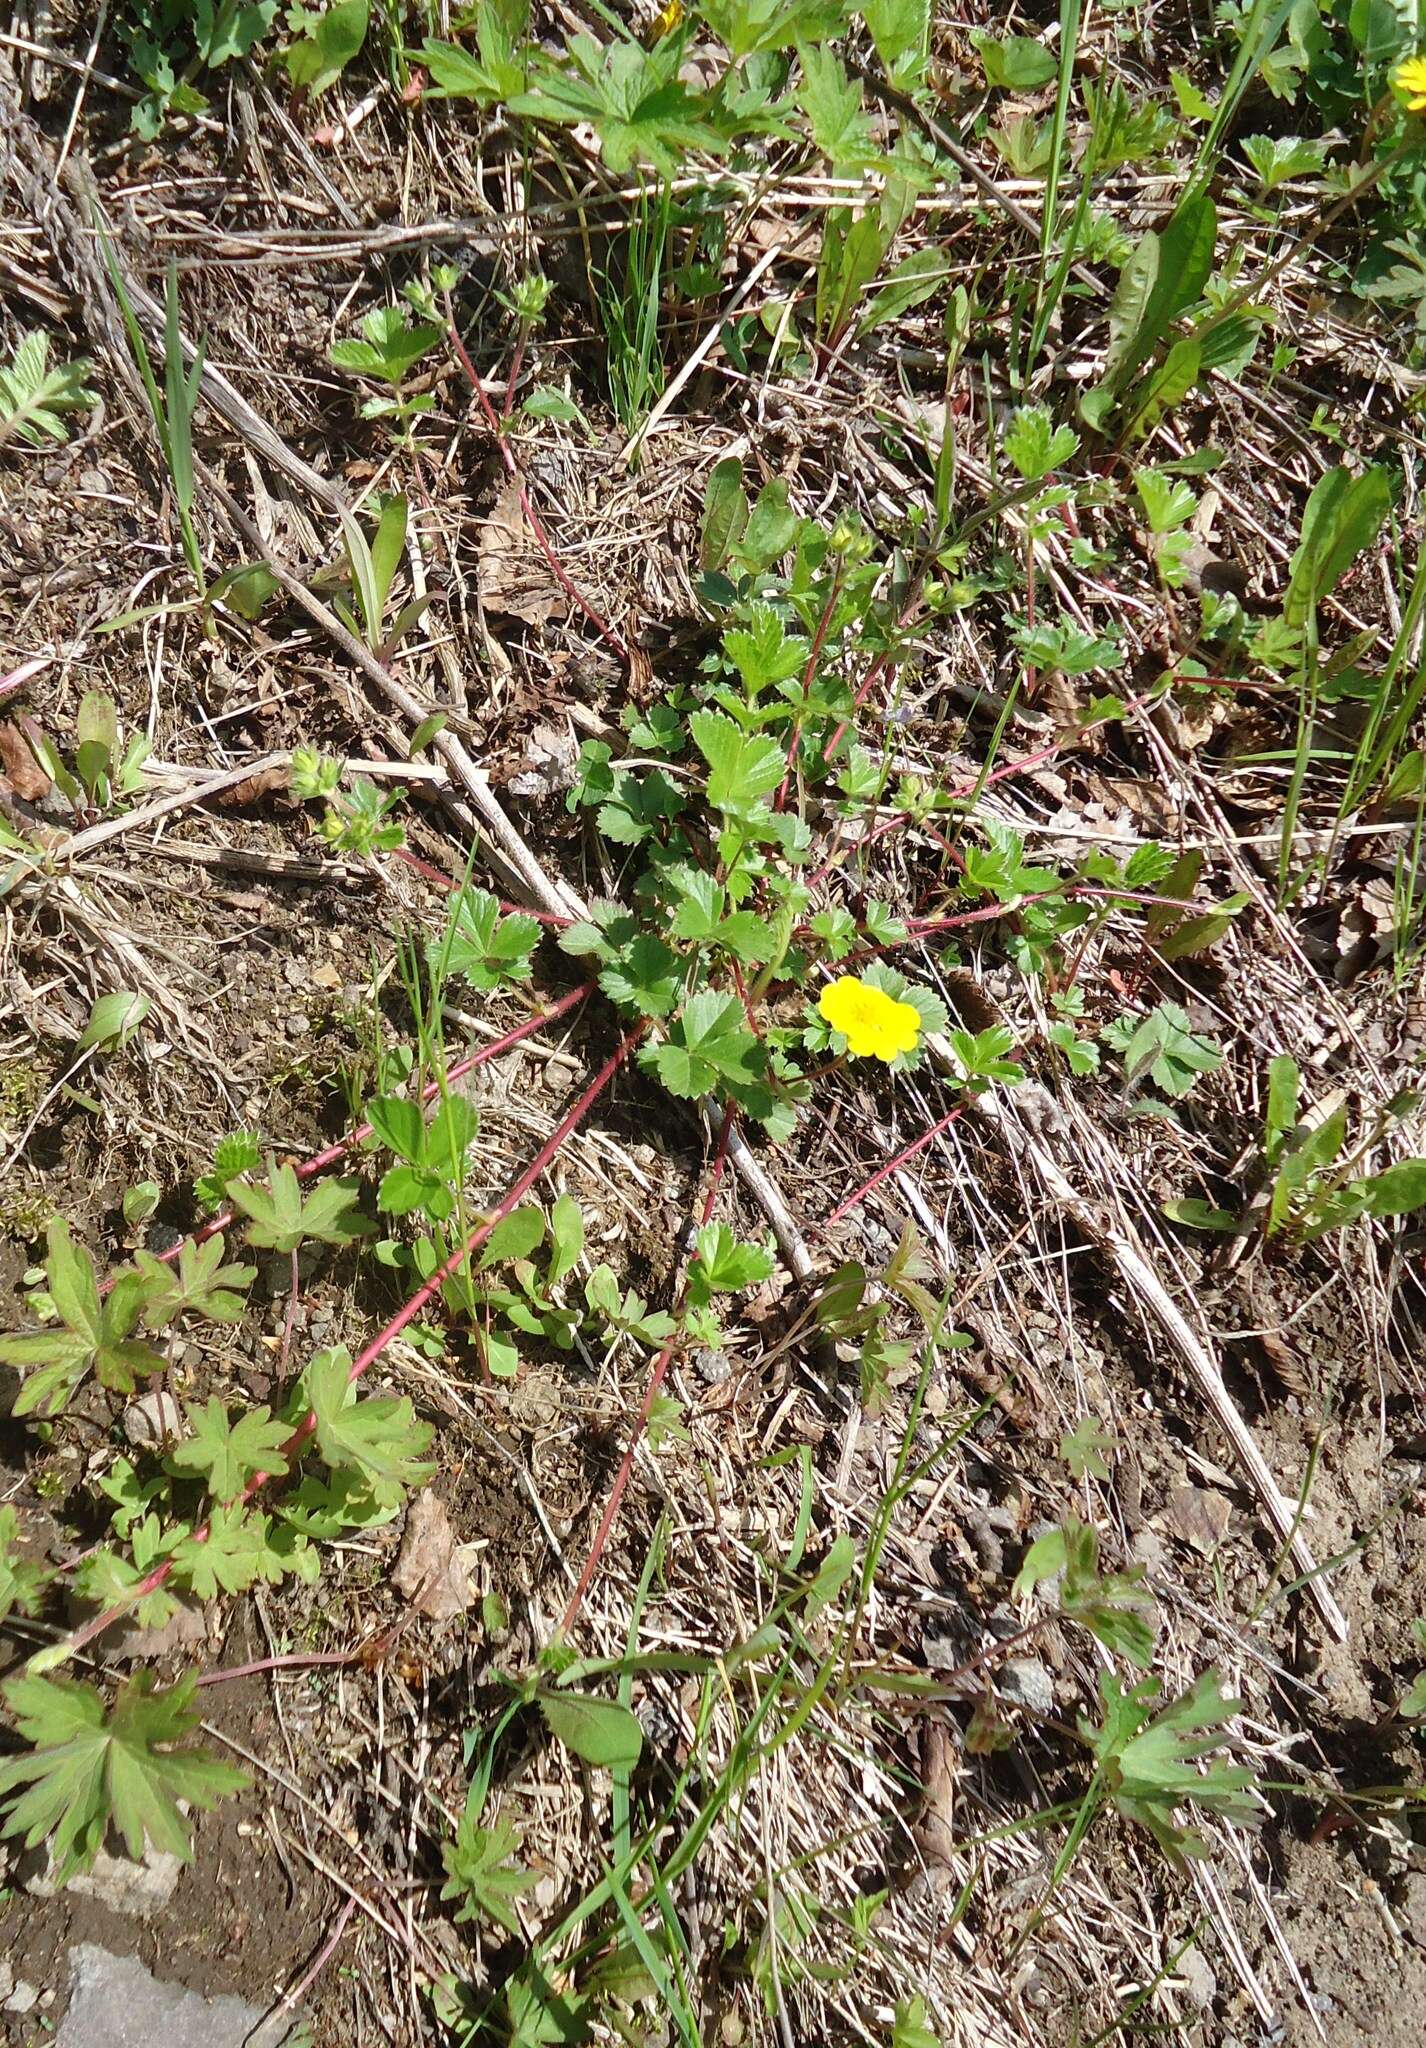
{"x": 380, "y": 1438}
{"x": 91, "y": 1767}
{"x": 96, "y": 1333}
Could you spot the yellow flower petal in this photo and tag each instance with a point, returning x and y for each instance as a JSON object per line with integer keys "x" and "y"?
{"x": 874, "y": 1024}
{"x": 1409, "y": 78}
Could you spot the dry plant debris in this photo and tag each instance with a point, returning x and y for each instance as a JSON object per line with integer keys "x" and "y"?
{"x": 711, "y": 1022}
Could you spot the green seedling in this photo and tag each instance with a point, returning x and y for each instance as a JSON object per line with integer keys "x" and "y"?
{"x": 392, "y": 345}
{"x": 1312, "y": 1176}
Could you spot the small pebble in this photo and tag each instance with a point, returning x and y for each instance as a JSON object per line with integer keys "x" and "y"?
{"x": 298, "y": 1024}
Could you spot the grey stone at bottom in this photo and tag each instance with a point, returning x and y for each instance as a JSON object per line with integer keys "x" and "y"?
{"x": 115, "y": 2003}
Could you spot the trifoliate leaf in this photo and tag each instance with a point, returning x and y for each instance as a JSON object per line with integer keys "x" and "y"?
{"x": 708, "y": 1045}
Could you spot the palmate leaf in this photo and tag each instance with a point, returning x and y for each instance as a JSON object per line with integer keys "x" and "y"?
{"x": 90, "y": 1767}
{"x": 479, "y": 1869}
{"x": 201, "y": 1284}
{"x": 485, "y": 947}
{"x": 95, "y": 1333}
{"x": 231, "y": 1453}
{"x": 633, "y": 98}
{"x": 1151, "y": 1762}
{"x": 381, "y": 1439}
{"x": 281, "y": 1220}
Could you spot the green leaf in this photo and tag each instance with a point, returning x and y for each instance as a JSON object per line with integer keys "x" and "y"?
{"x": 393, "y": 345}
{"x": 329, "y": 41}
{"x": 1343, "y": 517}
{"x": 900, "y": 30}
{"x": 1284, "y": 1090}
{"x": 201, "y": 1285}
{"x": 770, "y": 532}
{"x": 1035, "y": 445}
{"x": 480, "y": 1871}
{"x": 514, "y": 1237}
{"x": 602, "y": 1732}
{"x": 1085, "y": 1449}
{"x": 832, "y": 103}
{"x": 725, "y": 1266}
{"x": 226, "y": 1560}
{"x": 90, "y": 1768}
{"x": 1014, "y": 63}
{"x": 566, "y": 1238}
{"x": 380, "y": 1439}
{"x": 1162, "y": 279}
{"x": 113, "y": 1021}
{"x": 647, "y": 977}
{"x": 763, "y": 651}
{"x": 909, "y": 283}
{"x": 725, "y": 513}
{"x": 1397, "y": 1190}
{"x": 909, "y": 2028}
{"x": 21, "y": 1581}
{"x": 1152, "y": 1765}
{"x": 34, "y": 398}
{"x": 495, "y": 71}
{"x": 708, "y": 1045}
{"x": 96, "y": 1335}
{"x": 1197, "y": 1214}
{"x": 281, "y": 1221}
{"x": 490, "y": 950}
{"x": 742, "y": 767}
{"x": 400, "y": 1126}
{"x": 641, "y": 109}
{"x": 231, "y": 1453}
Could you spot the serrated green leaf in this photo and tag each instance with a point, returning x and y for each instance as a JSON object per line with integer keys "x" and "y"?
{"x": 378, "y": 1438}
{"x": 742, "y": 767}
{"x": 280, "y": 1221}
{"x": 200, "y": 1284}
{"x": 708, "y": 1045}
{"x": 647, "y": 977}
{"x": 231, "y": 1452}
{"x": 90, "y": 1768}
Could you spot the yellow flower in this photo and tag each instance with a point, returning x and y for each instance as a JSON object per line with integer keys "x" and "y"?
{"x": 875, "y": 1025}
{"x": 1409, "y": 78}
